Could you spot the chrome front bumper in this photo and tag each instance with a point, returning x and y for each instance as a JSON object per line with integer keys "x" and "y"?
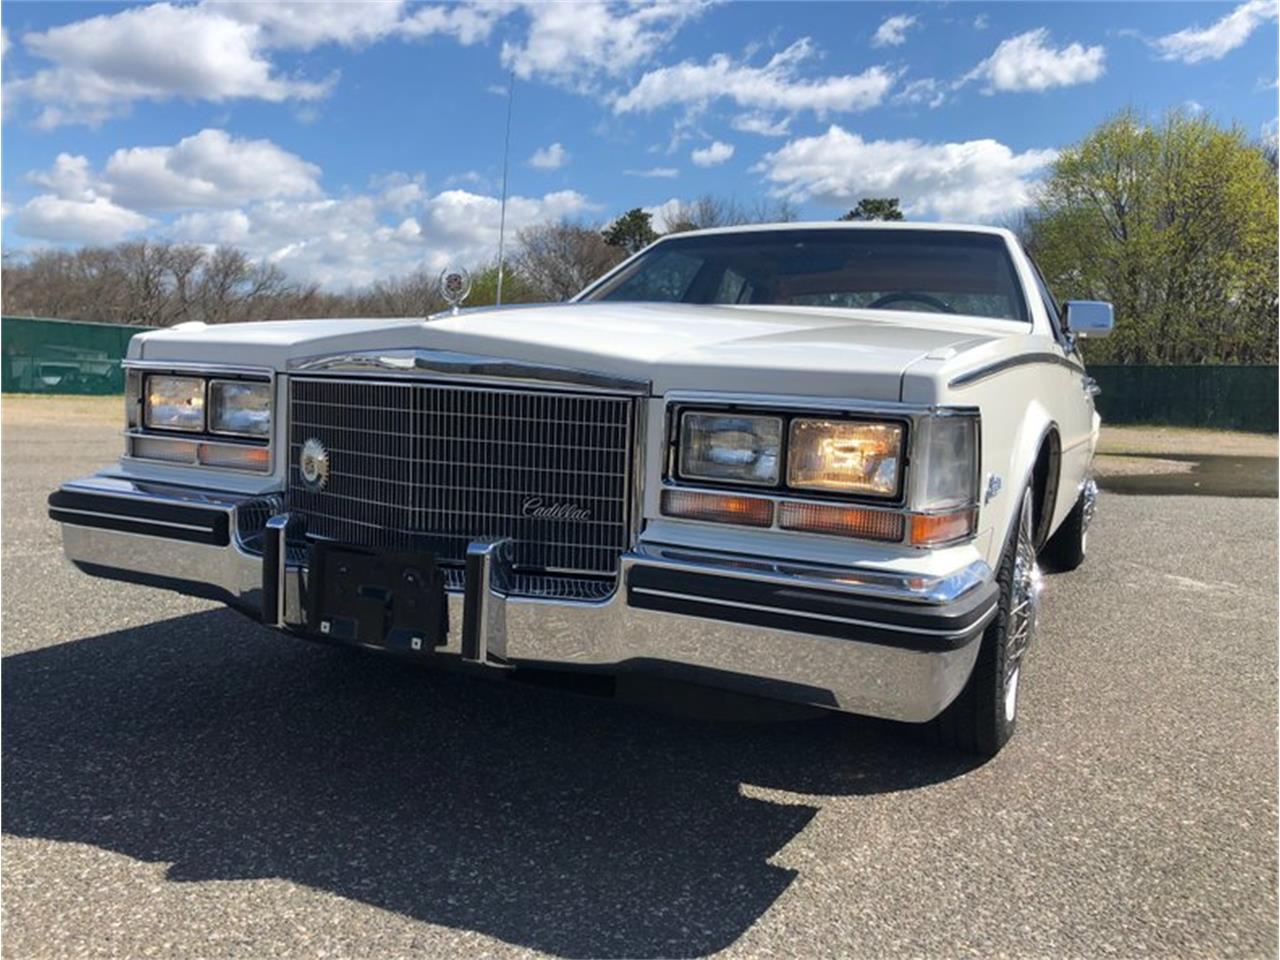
{"x": 870, "y": 641}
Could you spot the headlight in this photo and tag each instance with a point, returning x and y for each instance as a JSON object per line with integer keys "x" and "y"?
{"x": 845, "y": 456}
{"x": 730, "y": 448}
{"x": 240, "y": 407}
{"x": 175, "y": 403}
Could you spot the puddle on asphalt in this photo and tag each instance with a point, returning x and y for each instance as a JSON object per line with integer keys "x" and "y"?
{"x": 1190, "y": 475}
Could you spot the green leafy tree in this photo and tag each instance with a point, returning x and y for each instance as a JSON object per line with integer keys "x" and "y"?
{"x": 633, "y": 231}
{"x": 875, "y": 208}
{"x": 484, "y": 287}
{"x": 1175, "y": 223}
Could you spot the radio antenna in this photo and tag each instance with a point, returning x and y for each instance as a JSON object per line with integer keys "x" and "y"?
{"x": 506, "y": 154}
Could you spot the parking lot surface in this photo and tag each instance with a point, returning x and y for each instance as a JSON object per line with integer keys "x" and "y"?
{"x": 178, "y": 781}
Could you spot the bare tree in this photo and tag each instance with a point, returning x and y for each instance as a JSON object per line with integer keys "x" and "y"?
{"x": 709, "y": 211}
{"x": 559, "y": 259}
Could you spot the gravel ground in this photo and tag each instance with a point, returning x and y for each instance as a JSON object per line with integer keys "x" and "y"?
{"x": 180, "y": 782}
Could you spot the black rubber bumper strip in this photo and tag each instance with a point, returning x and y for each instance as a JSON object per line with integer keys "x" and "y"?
{"x": 828, "y": 613}
{"x": 170, "y": 521}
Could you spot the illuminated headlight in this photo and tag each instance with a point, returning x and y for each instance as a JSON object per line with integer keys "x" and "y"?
{"x": 845, "y": 456}
{"x": 240, "y": 407}
{"x": 730, "y": 448}
{"x": 174, "y": 403}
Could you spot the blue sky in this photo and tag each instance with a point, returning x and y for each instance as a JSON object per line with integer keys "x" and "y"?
{"x": 348, "y": 142}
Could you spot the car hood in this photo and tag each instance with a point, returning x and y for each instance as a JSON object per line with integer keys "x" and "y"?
{"x": 815, "y": 351}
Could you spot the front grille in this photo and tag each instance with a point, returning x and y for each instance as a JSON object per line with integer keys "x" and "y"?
{"x": 424, "y": 465}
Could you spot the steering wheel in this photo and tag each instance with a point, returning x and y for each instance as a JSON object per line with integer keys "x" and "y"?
{"x": 911, "y": 297}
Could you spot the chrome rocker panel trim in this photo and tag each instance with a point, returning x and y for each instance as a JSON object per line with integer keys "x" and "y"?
{"x": 884, "y": 645}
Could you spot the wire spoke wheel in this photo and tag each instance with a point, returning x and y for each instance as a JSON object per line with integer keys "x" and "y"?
{"x": 1023, "y": 607}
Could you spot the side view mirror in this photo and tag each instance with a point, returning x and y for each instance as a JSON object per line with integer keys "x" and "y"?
{"x": 1088, "y": 318}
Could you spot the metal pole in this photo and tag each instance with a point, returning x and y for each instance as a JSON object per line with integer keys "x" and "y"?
{"x": 506, "y": 154}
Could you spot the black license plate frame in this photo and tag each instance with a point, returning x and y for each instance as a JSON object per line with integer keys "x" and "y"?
{"x": 395, "y": 600}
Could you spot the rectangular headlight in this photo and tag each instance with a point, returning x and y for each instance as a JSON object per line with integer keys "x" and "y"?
{"x": 730, "y": 448}
{"x": 845, "y": 456}
{"x": 240, "y": 407}
{"x": 174, "y": 403}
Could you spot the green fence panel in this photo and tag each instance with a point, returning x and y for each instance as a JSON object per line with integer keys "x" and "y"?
{"x": 1227, "y": 398}
{"x": 62, "y": 356}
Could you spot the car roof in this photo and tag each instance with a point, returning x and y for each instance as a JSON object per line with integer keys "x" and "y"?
{"x": 849, "y": 225}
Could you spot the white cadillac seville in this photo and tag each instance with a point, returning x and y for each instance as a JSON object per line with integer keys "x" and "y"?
{"x": 819, "y": 462}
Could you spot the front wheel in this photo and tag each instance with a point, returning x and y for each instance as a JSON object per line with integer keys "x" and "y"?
{"x": 1067, "y": 547}
{"x": 983, "y": 717}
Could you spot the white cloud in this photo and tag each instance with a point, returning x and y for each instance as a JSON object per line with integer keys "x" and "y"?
{"x": 209, "y": 169}
{"x": 69, "y": 178}
{"x": 1270, "y": 132}
{"x": 665, "y": 214}
{"x": 761, "y": 123}
{"x": 95, "y": 220}
{"x": 926, "y": 90}
{"x": 981, "y": 22}
{"x": 973, "y": 180}
{"x": 662, "y": 173}
{"x": 549, "y": 158}
{"x": 215, "y": 51}
{"x": 1195, "y": 44}
{"x": 306, "y": 25}
{"x": 1026, "y": 62}
{"x": 103, "y": 63}
{"x": 893, "y": 32}
{"x": 576, "y": 44}
{"x": 350, "y": 241}
{"x": 713, "y": 155}
{"x": 212, "y": 188}
{"x": 774, "y": 86}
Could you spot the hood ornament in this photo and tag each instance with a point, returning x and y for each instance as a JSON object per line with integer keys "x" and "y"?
{"x": 455, "y": 284}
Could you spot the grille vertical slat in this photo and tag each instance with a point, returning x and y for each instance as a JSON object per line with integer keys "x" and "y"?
{"x": 437, "y": 465}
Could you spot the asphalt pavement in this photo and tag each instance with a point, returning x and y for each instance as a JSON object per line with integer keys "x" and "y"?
{"x": 178, "y": 781}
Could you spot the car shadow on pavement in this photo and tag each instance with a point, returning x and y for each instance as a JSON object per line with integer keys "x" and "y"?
{"x": 579, "y": 826}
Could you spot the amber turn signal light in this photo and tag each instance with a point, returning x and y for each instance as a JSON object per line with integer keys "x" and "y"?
{"x": 717, "y": 508}
{"x": 235, "y": 457}
{"x": 841, "y": 521}
{"x": 933, "y": 529}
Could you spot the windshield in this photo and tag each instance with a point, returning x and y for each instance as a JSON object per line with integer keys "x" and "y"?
{"x": 922, "y": 270}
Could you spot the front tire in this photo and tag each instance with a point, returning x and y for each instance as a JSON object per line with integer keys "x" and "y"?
{"x": 1067, "y": 547}
{"x": 983, "y": 717}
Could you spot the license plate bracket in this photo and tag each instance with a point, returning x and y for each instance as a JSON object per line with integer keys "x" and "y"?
{"x": 393, "y": 599}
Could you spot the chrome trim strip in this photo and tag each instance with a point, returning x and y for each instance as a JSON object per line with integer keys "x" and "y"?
{"x": 801, "y": 403}
{"x": 991, "y": 369}
{"x": 830, "y": 618}
{"x": 187, "y": 366}
{"x": 420, "y": 363}
{"x": 128, "y": 489}
{"x": 855, "y": 581}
